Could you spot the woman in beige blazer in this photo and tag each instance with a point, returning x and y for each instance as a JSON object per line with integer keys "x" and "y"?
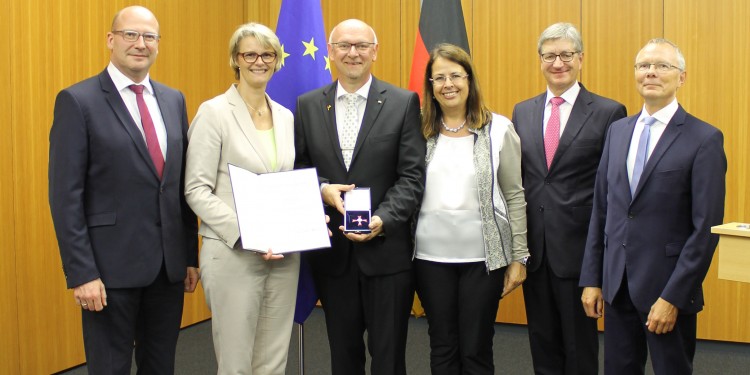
{"x": 251, "y": 296}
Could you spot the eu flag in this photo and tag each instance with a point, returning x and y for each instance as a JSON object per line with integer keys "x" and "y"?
{"x": 304, "y": 60}
{"x": 304, "y": 67}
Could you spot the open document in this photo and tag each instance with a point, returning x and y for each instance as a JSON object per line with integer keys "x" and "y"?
{"x": 280, "y": 211}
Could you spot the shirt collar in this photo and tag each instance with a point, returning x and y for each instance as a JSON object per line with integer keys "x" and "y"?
{"x": 122, "y": 82}
{"x": 569, "y": 95}
{"x": 663, "y": 115}
{"x": 362, "y": 91}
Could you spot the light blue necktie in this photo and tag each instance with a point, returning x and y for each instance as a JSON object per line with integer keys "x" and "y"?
{"x": 641, "y": 156}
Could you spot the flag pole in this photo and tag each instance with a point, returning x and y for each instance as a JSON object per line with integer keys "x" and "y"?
{"x": 301, "y": 345}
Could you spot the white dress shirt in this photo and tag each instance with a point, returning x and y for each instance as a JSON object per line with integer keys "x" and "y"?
{"x": 122, "y": 83}
{"x": 569, "y": 96}
{"x": 663, "y": 117}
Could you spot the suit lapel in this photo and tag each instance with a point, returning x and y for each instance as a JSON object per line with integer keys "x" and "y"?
{"x": 282, "y": 136}
{"x": 619, "y": 152}
{"x": 126, "y": 120}
{"x": 172, "y": 126}
{"x": 537, "y": 120}
{"x": 328, "y": 113}
{"x": 671, "y": 132}
{"x": 579, "y": 114}
{"x": 246, "y": 125}
{"x": 375, "y": 102}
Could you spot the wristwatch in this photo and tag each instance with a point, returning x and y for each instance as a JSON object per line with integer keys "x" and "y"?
{"x": 525, "y": 260}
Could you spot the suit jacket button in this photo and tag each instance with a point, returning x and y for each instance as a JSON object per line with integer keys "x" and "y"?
{"x": 158, "y": 223}
{"x": 541, "y": 208}
{"x": 630, "y": 215}
{"x": 161, "y": 190}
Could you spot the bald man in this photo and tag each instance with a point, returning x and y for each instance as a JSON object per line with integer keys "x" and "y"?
{"x": 363, "y": 132}
{"x": 127, "y": 238}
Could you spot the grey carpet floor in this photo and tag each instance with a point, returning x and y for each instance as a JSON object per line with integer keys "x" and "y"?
{"x": 195, "y": 353}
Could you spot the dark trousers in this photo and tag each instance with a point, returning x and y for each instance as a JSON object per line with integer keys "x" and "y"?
{"x": 354, "y": 303}
{"x": 563, "y": 339}
{"x": 460, "y": 300}
{"x": 627, "y": 340}
{"x": 146, "y": 318}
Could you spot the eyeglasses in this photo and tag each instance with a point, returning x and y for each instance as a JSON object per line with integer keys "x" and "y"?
{"x": 661, "y": 67}
{"x": 252, "y": 57}
{"x": 346, "y": 46}
{"x": 132, "y": 36}
{"x": 441, "y": 80}
{"x": 564, "y": 56}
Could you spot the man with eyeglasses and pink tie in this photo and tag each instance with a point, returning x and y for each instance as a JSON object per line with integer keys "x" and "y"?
{"x": 562, "y": 134}
{"x": 116, "y": 174}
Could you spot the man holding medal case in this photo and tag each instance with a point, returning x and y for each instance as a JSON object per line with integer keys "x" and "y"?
{"x": 360, "y": 131}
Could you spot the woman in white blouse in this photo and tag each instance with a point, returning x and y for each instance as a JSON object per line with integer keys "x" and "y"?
{"x": 471, "y": 230}
{"x": 251, "y": 296}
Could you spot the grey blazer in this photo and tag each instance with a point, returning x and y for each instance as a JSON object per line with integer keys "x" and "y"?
{"x": 221, "y": 133}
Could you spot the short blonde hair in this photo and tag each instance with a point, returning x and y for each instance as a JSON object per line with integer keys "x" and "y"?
{"x": 265, "y": 37}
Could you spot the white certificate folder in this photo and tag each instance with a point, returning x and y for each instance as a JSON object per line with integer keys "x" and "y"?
{"x": 280, "y": 211}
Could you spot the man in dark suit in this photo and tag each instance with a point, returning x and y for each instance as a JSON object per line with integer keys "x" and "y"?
{"x": 562, "y": 134}
{"x": 127, "y": 238}
{"x": 360, "y": 131}
{"x": 659, "y": 189}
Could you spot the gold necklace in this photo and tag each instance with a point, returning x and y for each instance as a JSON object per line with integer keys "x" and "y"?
{"x": 258, "y": 111}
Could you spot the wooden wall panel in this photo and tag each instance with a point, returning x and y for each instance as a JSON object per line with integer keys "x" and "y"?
{"x": 69, "y": 45}
{"x": 613, "y": 33}
{"x": 408, "y": 31}
{"x": 713, "y": 38}
{"x": 191, "y": 49}
{"x": 9, "y": 363}
{"x": 265, "y": 12}
{"x": 50, "y": 336}
{"x": 504, "y": 48}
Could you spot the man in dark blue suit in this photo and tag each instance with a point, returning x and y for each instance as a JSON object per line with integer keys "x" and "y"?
{"x": 659, "y": 189}
{"x": 127, "y": 238}
{"x": 559, "y": 188}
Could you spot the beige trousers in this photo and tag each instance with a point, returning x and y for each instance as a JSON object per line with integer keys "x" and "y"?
{"x": 252, "y": 303}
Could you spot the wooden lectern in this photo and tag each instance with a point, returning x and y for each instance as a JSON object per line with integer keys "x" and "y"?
{"x": 734, "y": 251}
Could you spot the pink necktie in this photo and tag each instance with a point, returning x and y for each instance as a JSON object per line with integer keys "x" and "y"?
{"x": 152, "y": 142}
{"x": 552, "y": 134}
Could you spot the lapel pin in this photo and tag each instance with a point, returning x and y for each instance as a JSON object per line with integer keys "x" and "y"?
{"x": 380, "y": 102}
{"x": 329, "y": 107}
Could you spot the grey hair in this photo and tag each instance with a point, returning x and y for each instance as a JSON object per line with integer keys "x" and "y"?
{"x": 561, "y": 30}
{"x": 680, "y": 57}
{"x": 265, "y": 37}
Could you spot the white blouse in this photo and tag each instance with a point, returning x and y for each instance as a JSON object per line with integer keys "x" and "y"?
{"x": 449, "y": 229}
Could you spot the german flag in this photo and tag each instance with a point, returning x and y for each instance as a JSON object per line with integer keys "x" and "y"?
{"x": 440, "y": 21}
